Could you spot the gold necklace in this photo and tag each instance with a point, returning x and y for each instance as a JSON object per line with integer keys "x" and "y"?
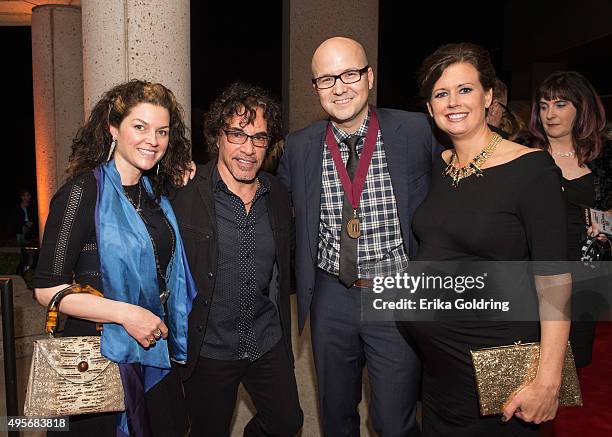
{"x": 474, "y": 167}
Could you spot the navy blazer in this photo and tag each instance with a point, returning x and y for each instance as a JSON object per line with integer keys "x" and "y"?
{"x": 410, "y": 149}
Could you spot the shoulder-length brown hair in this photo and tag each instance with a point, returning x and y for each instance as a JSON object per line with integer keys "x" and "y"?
{"x": 590, "y": 122}
{"x": 434, "y": 65}
{"x": 91, "y": 144}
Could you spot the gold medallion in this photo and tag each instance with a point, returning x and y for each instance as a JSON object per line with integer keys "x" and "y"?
{"x": 353, "y": 228}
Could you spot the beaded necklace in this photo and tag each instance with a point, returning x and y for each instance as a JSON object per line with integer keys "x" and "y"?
{"x": 456, "y": 174}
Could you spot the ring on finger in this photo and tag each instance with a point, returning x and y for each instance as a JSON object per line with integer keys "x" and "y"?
{"x": 151, "y": 341}
{"x": 157, "y": 334}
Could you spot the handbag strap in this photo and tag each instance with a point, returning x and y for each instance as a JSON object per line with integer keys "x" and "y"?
{"x": 53, "y": 307}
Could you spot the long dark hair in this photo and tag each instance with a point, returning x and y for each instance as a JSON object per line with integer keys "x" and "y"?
{"x": 590, "y": 123}
{"x": 91, "y": 145}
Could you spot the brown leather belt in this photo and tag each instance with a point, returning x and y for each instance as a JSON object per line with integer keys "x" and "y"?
{"x": 359, "y": 283}
{"x": 363, "y": 283}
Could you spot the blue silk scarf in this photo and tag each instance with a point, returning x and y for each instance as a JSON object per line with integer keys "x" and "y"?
{"x": 128, "y": 268}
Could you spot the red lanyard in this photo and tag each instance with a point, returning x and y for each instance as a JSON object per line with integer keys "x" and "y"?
{"x": 354, "y": 189}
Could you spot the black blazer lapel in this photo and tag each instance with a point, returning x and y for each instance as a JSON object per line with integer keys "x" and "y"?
{"x": 273, "y": 217}
{"x": 205, "y": 190}
{"x": 313, "y": 167}
{"x": 396, "y": 153}
{"x": 397, "y": 159}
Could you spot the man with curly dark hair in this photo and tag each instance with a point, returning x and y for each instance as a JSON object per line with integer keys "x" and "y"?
{"x": 236, "y": 223}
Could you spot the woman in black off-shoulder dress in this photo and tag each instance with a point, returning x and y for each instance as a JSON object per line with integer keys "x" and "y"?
{"x": 513, "y": 212}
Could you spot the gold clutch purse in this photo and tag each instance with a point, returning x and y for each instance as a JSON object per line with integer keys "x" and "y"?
{"x": 502, "y": 371}
{"x": 68, "y": 375}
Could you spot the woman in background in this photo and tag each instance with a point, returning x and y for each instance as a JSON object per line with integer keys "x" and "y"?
{"x": 568, "y": 121}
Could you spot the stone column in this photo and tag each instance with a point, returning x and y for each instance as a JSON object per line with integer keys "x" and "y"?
{"x": 136, "y": 39}
{"x": 57, "y": 69}
{"x": 306, "y": 24}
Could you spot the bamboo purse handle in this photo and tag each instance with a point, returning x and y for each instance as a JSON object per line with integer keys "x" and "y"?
{"x": 53, "y": 307}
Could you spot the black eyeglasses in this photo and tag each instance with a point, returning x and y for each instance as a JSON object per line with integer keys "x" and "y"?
{"x": 239, "y": 137}
{"x": 328, "y": 81}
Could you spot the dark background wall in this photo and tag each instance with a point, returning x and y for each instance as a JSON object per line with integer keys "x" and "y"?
{"x": 231, "y": 44}
{"x": 527, "y": 39}
{"x": 409, "y": 31}
{"x": 18, "y": 169}
{"x": 541, "y": 37}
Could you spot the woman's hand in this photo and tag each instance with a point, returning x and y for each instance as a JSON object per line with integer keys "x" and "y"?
{"x": 139, "y": 322}
{"x": 143, "y": 325}
{"x": 536, "y": 402}
{"x": 593, "y": 231}
{"x": 189, "y": 173}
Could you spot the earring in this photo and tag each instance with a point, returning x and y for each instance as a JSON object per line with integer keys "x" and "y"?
{"x": 157, "y": 171}
{"x": 112, "y": 149}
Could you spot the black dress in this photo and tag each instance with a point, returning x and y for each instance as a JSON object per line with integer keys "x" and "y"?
{"x": 587, "y": 285}
{"x": 69, "y": 253}
{"x": 515, "y": 212}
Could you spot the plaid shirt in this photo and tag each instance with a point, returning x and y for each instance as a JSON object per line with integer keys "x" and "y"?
{"x": 380, "y": 249}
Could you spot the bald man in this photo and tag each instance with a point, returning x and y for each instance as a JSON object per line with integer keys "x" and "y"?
{"x": 381, "y": 159}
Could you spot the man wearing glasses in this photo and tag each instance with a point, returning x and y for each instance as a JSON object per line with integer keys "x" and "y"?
{"x": 355, "y": 182}
{"x": 235, "y": 223}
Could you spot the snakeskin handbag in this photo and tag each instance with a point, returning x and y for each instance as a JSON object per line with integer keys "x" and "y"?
{"x": 68, "y": 375}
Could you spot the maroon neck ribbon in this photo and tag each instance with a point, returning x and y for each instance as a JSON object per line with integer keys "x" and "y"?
{"x": 354, "y": 189}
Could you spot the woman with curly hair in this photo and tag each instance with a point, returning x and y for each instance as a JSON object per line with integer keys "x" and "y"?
{"x": 568, "y": 120}
{"x": 111, "y": 227}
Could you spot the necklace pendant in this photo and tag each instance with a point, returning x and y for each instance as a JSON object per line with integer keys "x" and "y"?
{"x": 163, "y": 296}
{"x": 476, "y": 169}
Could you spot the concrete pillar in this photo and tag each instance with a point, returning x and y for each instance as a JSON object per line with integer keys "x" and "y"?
{"x": 136, "y": 39}
{"x": 306, "y": 24}
{"x": 57, "y": 70}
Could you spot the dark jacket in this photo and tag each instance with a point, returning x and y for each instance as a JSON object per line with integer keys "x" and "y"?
{"x": 602, "y": 169}
{"x": 410, "y": 148}
{"x": 194, "y": 206}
